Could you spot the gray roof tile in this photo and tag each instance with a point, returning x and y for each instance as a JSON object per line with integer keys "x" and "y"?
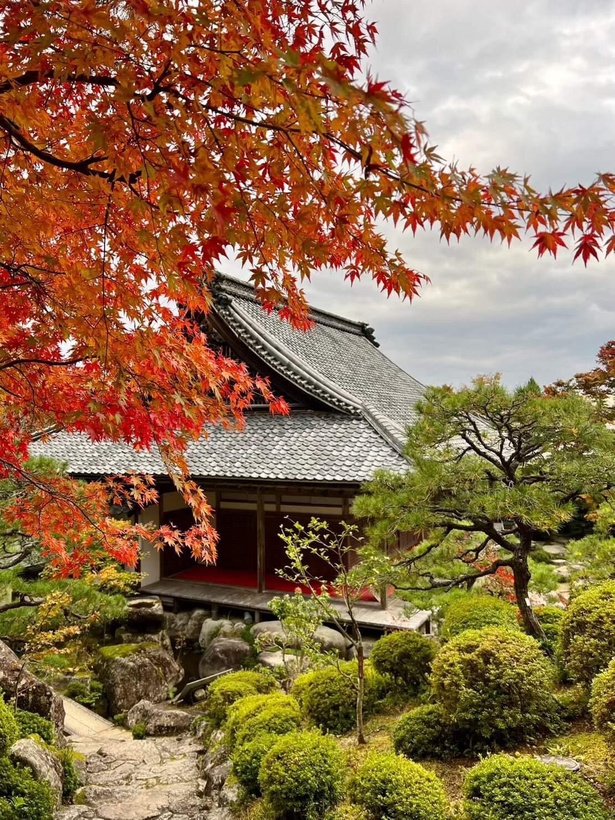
{"x": 305, "y": 446}
{"x": 337, "y": 360}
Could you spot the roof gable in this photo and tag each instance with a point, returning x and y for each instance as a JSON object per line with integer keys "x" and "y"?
{"x": 337, "y": 360}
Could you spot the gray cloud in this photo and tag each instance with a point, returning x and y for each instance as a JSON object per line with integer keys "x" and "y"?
{"x": 526, "y": 85}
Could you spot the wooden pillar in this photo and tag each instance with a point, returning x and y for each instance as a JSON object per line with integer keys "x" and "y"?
{"x": 384, "y": 592}
{"x": 260, "y": 540}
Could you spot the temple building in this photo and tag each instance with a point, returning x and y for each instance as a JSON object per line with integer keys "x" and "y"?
{"x": 350, "y": 406}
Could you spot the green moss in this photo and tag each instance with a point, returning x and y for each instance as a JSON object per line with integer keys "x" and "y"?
{"x": 9, "y": 728}
{"x": 123, "y": 650}
{"x": 139, "y": 731}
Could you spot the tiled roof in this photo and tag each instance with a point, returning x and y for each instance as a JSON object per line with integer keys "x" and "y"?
{"x": 337, "y": 360}
{"x": 305, "y": 446}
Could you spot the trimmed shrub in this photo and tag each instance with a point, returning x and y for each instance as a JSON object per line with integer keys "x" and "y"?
{"x": 247, "y": 761}
{"x": 302, "y": 775}
{"x": 572, "y": 702}
{"x": 588, "y": 632}
{"x": 248, "y": 707}
{"x": 32, "y": 724}
{"x": 550, "y": 618}
{"x": 405, "y": 658}
{"x": 602, "y": 702}
{"x": 21, "y": 796}
{"x": 278, "y": 718}
{"x": 228, "y": 689}
{"x": 389, "y": 786}
{"x": 523, "y": 788}
{"x": 495, "y": 685}
{"x": 475, "y": 611}
{"x": 9, "y": 728}
{"x": 328, "y": 697}
{"x": 424, "y": 732}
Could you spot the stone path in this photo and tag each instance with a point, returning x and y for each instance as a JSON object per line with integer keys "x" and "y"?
{"x": 127, "y": 779}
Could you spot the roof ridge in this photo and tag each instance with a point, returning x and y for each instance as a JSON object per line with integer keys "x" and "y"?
{"x": 226, "y": 284}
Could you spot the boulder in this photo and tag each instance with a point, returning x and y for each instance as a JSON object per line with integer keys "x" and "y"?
{"x": 125, "y": 634}
{"x": 213, "y": 628}
{"x": 272, "y": 633}
{"x": 368, "y": 645}
{"x": 133, "y": 672}
{"x": 223, "y": 653}
{"x": 144, "y": 612}
{"x": 44, "y": 765}
{"x": 32, "y": 694}
{"x": 185, "y": 627}
{"x": 331, "y": 640}
{"x": 272, "y": 659}
{"x": 159, "y": 719}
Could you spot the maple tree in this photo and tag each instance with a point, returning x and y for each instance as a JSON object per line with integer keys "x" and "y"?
{"x": 597, "y": 384}
{"x": 493, "y": 471}
{"x": 142, "y": 141}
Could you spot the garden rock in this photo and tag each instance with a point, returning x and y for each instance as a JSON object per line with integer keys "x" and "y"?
{"x": 568, "y": 763}
{"x": 331, "y": 640}
{"x": 44, "y": 765}
{"x": 159, "y": 720}
{"x": 127, "y": 635}
{"x": 144, "y": 674}
{"x": 32, "y": 694}
{"x": 144, "y": 612}
{"x": 272, "y": 659}
{"x": 212, "y": 628}
{"x": 185, "y": 627}
{"x": 368, "y": 645}
{"x": 223, "y": 653}
{"x": 272, "y": 633}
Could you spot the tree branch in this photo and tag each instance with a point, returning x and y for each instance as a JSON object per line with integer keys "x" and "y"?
{"x": 448, "y": 584}
{"x": 23, "y": 600}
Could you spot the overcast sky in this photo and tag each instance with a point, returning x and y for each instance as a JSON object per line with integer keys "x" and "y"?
{"x": 529, "y": 85}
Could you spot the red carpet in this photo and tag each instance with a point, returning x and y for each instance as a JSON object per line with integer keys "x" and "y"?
{"x": 241, "y": 578}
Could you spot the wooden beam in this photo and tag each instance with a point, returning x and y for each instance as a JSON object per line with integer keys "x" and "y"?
{"x": 260, "y": 540}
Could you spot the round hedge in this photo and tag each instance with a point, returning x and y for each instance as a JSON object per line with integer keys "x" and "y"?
{"x": 31, "y": 724}
{"x": 602, "y": 702}
{"x": 405, "y": 658}
{"x": 229, "y": 688}
{"x": 495, "y": 685}
{"x": 21, "y": 796}
{"x": 278, "y": 718}
{"x": 588, "y": 632}
{"x": 389, "y": 786}
{"x": 302, "y": 775}
{"x": 250, "y": 706}
{"x": 522, "y": 788}
{"x": 550, "y": 619}
{"x": 247, "y": 761}
{"x": 474, "y": 611}
{"x": 9, "y": 728}
{"x": 328, "y": 696}
{"x": 423, "y": 733}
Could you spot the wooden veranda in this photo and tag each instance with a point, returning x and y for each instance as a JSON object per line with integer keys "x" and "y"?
{"x": 219, "y": 598}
